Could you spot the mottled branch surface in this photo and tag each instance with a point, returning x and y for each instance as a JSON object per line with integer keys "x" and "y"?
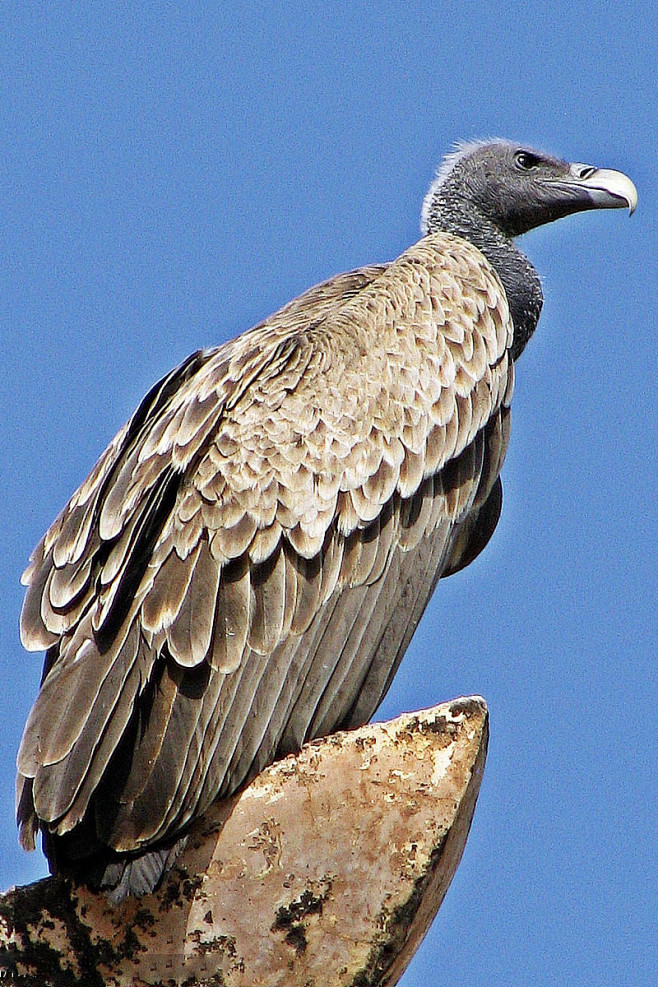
{"x": 327, "y": 870}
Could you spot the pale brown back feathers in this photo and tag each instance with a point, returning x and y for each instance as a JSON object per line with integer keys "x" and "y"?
{"x": 247, "y": 562}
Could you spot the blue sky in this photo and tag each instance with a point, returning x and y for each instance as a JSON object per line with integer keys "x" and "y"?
{"x": 172, "y": 173}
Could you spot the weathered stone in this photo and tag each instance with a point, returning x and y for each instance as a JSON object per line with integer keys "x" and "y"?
{"x": 327, "y": 870}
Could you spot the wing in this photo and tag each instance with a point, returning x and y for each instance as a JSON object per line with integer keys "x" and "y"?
{"x": 246, "y": 564}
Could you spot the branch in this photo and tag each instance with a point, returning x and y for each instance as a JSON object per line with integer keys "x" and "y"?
{"x": 327, "y": 870}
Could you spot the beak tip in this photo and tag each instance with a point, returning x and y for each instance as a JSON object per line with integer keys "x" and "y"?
{"x": 613, "y": 185}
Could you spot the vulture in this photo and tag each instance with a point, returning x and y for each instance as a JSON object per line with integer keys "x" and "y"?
{"x": 244, "y": 567}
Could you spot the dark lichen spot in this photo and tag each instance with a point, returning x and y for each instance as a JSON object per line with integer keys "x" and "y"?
{"x": 143, "y": 919}
{"x": 288, "y": 917}
{"x": 171, "y": 896}
{"x": 395, "y": 927}
{"x": 53, "y": 897}
{"x": 296, "y": 937}
{"x": 110, "y": 954}
{"x": 180, "y": 889}
{"x": 466, "y": 706}
{"x": 218, "y": 944}
{"x": 217, "y": 980}
{"x": 307, "y": 904}
{"x": 440, "y": 727}
{"x": 191, "y": 885}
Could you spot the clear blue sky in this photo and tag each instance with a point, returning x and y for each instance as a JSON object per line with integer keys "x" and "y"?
{"x": 171, "y": 173}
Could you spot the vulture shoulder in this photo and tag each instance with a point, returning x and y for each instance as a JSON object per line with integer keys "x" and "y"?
{"x": 246, "y": 563}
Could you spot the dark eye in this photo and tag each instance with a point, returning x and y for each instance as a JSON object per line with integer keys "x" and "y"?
{"x": 526, "y": 160}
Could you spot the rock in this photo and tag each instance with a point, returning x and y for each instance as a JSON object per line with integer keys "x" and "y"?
{"x": 327, "y": 870}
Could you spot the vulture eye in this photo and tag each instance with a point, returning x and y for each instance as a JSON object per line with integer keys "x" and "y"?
{"x": 525, "y": 160}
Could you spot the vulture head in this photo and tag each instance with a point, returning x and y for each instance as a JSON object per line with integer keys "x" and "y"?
{"x": 514, "y": 188}
{"x": 489, "y": 192}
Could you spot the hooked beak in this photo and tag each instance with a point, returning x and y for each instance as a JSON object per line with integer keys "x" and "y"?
{"x": 600, "y": 188}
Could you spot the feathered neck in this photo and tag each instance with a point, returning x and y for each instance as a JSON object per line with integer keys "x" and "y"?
{"x": 446, "y": 211}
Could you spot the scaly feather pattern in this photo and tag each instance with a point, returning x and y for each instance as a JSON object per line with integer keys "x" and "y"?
{"x": 246, "y": 564}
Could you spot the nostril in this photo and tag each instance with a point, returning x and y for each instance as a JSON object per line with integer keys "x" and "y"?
{"x": 585, "y": 172}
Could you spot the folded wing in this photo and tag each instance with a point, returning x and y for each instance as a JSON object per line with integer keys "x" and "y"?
{"x": 247, "y": 562}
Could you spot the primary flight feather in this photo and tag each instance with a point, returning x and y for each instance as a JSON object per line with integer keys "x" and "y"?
{"x": 246, "y": 564}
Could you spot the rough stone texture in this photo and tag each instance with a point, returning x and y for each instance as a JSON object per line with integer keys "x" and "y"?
{"x": 327, "y": 870}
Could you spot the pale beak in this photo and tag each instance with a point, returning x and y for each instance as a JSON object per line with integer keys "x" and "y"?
{"x": 604, "y": 188}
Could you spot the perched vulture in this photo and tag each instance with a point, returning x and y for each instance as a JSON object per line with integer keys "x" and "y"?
{"x": 247, "y": 562}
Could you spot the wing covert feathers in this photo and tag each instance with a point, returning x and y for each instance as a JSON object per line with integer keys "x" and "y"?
{"x": 245, "y": 565}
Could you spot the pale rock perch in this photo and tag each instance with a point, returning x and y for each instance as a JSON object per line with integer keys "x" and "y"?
{"x": 246, "y": 564}
{"x": 326, "y": 870}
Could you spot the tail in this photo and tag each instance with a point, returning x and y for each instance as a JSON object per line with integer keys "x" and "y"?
{"x": 125, "y": 877}
{"x": 80, "y": 856}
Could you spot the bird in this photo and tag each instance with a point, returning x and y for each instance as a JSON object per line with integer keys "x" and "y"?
{"x": 246, "y": 564}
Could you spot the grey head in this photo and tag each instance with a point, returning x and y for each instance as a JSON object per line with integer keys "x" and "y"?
{"x": 516, "y": 188}
{"x": 492, "y": 191}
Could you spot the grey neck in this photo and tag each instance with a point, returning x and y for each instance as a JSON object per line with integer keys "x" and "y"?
{"x": 520, "y": 279}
